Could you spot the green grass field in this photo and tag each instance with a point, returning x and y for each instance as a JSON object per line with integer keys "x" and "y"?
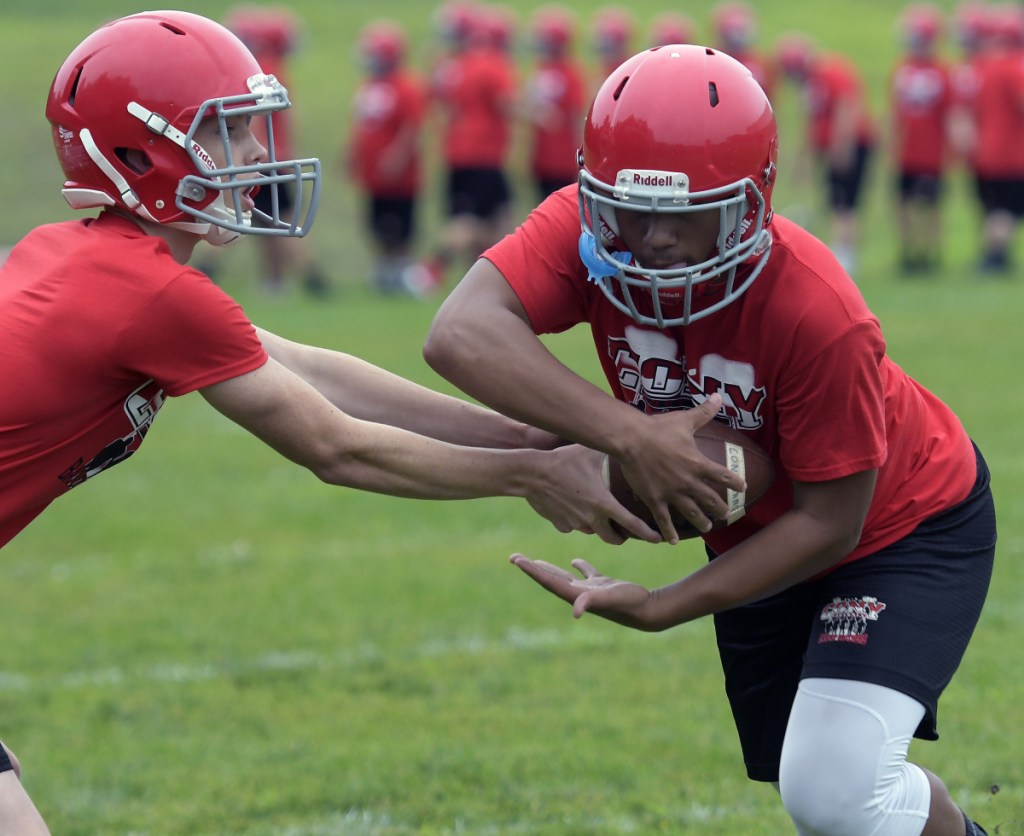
{"x": 209, "y": 641}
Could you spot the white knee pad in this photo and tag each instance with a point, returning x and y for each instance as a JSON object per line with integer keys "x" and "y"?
{"x": 844, "y": 769}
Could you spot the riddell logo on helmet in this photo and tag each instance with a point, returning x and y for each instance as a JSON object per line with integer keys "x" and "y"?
{"x": 641, "y": 182}
{"x": 204, "y": 157}
{"x": 651, "y": 179}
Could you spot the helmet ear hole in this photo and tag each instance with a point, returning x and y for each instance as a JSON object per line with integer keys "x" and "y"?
{"x": 138, "y": 161}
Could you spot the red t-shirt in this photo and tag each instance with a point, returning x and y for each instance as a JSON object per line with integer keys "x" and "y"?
{"x": 920, "y": 99}
{"x": 383, "y": 110}
{"x": 476, "y": 90}
{"x": 101, "y": 325}
{"x": 999, "y": 116}
{"x": 556, "y": 90}
{"x": 799, "y": 360}
{"x": 835, "y": 79}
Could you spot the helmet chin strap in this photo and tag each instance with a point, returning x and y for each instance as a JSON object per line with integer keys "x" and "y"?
{"x": 217, "y": 236}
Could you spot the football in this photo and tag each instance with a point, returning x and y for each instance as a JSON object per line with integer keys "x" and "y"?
{"x": 720, "y": 443}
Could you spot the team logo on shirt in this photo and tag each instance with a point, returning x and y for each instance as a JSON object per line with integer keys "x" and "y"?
{"x": 846, "y": 619}
{"x": 655, "y": 378}
{"x": 650, "y": 370}
{"x": 140, "y": 407}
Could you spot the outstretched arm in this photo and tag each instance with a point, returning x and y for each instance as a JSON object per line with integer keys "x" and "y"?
{"x": 823, "y": 527}
{"x": 289, "y": 414}
{"x": 371, "y": 393}
{"x": 482, "y": 341}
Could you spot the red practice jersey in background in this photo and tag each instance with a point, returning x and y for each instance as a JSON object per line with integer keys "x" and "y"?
{"x": 833, "y": 79}
{"x": 555, "y": 96}
{"x": 385, "y": 110}
{"x": 999, "y": 116}
{"x": 476, "y": 90}
{"x": 920, "y": 99}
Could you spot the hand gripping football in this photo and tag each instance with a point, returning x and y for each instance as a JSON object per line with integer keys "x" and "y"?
{"x": 722, "y": 444}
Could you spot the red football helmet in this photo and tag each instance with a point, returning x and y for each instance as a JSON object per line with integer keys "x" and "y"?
{"x": 496, "y": 27}
{"x": 672, "y": 28}
{"x": 553, "y": 28}
{"x": 921, "y": 24}
{"x": 124, "y": 108}
{"x": 382, "y": 47}
{"x": 266, "y": 31}
{"x": 712, "y": 145}
{"x": 456, "y": 23}
{"x": 972, "y": 25}
{"x": 735, "y": 26}
{"x": 1007, "y": 26}
{"x": 612, "y": 31}
{"x": 795, "y": 54}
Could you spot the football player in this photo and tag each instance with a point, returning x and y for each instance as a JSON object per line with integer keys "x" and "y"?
{"x": 877, "y": 537}
{"x": 735, "y": 27}
{"x": 611, "y": 32}
{"x": 383, "y": 154}
{"x": 273, "y": 35}
{"x": 554, "y": 101}
{"x": 840, "y": 135}
{"x": 920, "y": 110}
{"x": 474, "y": 91}
{"x": 104, "y": 320}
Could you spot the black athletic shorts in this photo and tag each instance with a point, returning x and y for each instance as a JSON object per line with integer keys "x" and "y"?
{"x": 900, "y": 618}
{"x": 547, "y": 186}
{"x": 845, "y": 184}
{"x": 919, "y": 187}
{"x": 1001, "y": 195}
{"x": 392, "y": 220}
{"x": 480, "y": 192}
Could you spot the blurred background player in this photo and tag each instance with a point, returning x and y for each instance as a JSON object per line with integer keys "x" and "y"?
{"x": 272, "y": 36}
{"x": 554, "y": 101}
{"x": 996, "y": 150}
{"x": 735, "y": 32}
{"x": 970, "y": 29}
{"x": 840, "y": 133}
{"x": 473, "y": 88}
{"x": 383, "y": 154}
{"x": 672, "y": 28}
{"x": 612, "y": 32}
{"x": 920, "y": 99}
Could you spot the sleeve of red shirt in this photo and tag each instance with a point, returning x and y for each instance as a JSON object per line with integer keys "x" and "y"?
{"x": 840, "y": 385}
{"x": 541, "y": 262}
{"x": 191, "y": 335}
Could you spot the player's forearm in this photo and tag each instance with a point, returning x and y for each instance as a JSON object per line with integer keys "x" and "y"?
{"x": 792, "y": 549}
{"x": 392, "y": 461}
{"x": 501, "y": 363}
{"x": 371, "y": 393}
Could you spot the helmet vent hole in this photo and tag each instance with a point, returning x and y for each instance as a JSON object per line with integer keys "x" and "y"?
{"x": 713, "y": 93}
{"x": 74, "y": 88}
{"x": 618, "y": 90}
{"x": 171, "y": 28}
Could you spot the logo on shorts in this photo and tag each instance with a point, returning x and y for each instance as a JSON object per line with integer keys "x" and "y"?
{"x": 846, "y": 619}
